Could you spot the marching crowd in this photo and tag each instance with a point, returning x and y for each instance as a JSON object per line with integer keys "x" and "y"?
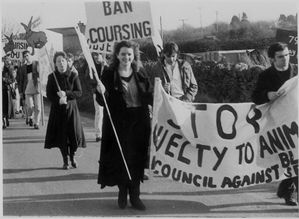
{"x": 123, "y": 100}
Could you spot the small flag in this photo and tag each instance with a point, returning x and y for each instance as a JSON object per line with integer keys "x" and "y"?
{"x": 157, "y": 41}
{"x": 86, "y": 52}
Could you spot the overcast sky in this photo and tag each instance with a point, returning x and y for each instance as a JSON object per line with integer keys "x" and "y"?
{"x": 66, "y": 13}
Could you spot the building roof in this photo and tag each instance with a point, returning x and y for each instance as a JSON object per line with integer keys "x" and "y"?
{"x": 65, "y": 31}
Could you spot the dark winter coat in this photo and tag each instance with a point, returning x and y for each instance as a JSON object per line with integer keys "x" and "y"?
{"x": 64, "y": 125}
{"x": 271, "y": 80}
{"x": 6, "y": 97}
{"x": 132, "y": 126}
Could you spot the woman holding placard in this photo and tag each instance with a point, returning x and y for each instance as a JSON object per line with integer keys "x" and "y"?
{"x": 128, "y": 93}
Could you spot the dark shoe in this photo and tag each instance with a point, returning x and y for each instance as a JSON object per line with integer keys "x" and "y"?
{"x": 291, "y": 202}
{"x": 122, "y": 197}
{"x": 36, "y": 126}
{"x": 27, "y": 121}
{"x": 137, "y": 204}
{"x": 4, "y": 123}
{"x": 134, "y": 190}
{"x": 74, "y": 163}
{"x": 98, "y": 139}
{"x": 30, "y": 122}
{"x": 65, "y": 166}
{"x": 145, "y": 177}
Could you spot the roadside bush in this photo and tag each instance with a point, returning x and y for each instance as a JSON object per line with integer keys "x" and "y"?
{"x": 221, "y": 83}
{"x": 217, "y": 83}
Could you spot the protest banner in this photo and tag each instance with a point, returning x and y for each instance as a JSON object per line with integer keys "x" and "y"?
{"x": 113, "y": 21}
{"x": 46, "y": 67}
{"x": 289, "y": 37}
{"x": 225, "y": 146}
{"x": 18, "y": 47}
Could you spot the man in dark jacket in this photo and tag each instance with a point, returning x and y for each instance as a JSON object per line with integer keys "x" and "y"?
{"x": 266, "y": 90}
{"x": 176, "y": 76}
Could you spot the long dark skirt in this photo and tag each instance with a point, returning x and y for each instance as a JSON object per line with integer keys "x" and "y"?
{"x": 134, "y": 131}
{"x": 64, "y": 127}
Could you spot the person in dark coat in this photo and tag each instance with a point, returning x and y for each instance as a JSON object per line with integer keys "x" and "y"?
{"x": 6, "y": 81}
{"x": 268, "y": 83}
{"x": 64, "y": 128}
{"x": 129, "y": 93}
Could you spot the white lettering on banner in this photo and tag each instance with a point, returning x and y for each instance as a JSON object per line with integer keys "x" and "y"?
{"x": 109, "y": 22}
{"x": 225, "y": 146}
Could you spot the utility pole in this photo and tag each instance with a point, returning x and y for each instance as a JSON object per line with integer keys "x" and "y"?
{"x": 161, "y": 28}
{"x": 217, "y": 21}
{"x": 183, "y": 23}
{"x": 200, "y": 17}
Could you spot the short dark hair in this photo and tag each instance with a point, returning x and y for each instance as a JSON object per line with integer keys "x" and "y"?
{"x": 170, "y": 48}
{"x": 25, "y": 52}
{"x": 70, "y": 56}
{"x": 59, "y": 53}
{"x": 275, "y": 47}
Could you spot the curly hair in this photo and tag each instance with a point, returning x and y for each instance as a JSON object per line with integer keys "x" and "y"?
{"x": 59, "y": 53}
{"x": 136, "y": 64}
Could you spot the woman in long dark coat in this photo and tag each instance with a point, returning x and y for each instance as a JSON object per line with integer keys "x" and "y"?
{"x": 6, "y": 81}
{"x": 64, "y": 129}
{"x": 128, "y": 93}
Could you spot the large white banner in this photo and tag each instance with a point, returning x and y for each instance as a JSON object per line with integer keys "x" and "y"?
{"x": 46, "y": 67}
{"x": 113, "y": 21}
{"x": 225, "y": 146}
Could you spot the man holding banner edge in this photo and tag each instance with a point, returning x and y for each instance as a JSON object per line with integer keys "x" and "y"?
{"x": 176, "y": 76}
{"x": 266, "y": 90}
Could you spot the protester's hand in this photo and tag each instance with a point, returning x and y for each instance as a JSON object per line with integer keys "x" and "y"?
{"x": 281, "y": 92}
{"x": 272, "y": 95}
{"x": 184, "y": 98}
{"x": 61, "y": 93}
{"x": 101, "y": 88}
{"x": 62, "y": 100}
{"x": 150, "y": 110}
{"x": 167, "y": 87}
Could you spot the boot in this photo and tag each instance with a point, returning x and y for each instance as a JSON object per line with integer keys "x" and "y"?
{"x": 122, "y": 196}
{"x": 65, "y": 162}
{"x": 290, "y": 196}
{"x": 73, "y": 161}
{"x": 4, "y": 123}
{"x": 30, "y": 122}
{"x": 134, "y": 190}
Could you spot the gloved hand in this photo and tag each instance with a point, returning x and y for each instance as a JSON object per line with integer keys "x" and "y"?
{"x": 61, "y": 93}
{"x": 101, "y": 87}
{"x": 167, "y": 87}
{"x": 62, "y": 100}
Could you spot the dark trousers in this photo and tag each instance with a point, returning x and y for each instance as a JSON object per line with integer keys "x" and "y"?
{"x": 65, "y": 151}
{"x": 288, "y": 187}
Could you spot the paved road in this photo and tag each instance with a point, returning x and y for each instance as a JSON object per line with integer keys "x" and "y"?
{"x": 35, "y": 185}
